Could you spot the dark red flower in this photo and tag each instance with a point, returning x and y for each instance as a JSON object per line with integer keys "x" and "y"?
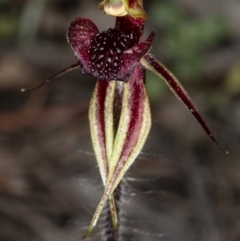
{"x": 110, "y": 55}
{"x": 119, "y": 112}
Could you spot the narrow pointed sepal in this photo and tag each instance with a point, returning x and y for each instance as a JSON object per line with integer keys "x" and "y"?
{"x": 150, "y": 63}
{"x": 132, "y": 131}
{"x": 102, "y": 134}
{"x": 101, "y": 124}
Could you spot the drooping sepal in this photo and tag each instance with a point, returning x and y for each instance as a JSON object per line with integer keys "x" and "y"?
{"x": 132, "y": 131}
{"x": 150, "y": 63}
{"x": 102, "y": 132}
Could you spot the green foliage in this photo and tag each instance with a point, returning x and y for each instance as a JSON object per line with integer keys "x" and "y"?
{"x": 8, "y": 26}
{"x": 155, "y": 87}
{"x": 8, "y": 21}
{"x": 232, "y": 82}
{"x": 186, "y": 39}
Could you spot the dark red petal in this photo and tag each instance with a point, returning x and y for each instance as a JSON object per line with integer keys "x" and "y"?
{"x": 80, "y": 31}
{"x": 136, "y": 106}
{"x": 131, "y": 57}
{"x": 150, "y": 63}
{"x": 97, "y": 120}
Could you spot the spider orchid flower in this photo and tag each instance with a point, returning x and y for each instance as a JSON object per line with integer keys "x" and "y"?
{"x": 119, "y": 112}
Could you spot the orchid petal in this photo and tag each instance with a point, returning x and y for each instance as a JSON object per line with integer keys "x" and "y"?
{"x": 97, "y": 125}
{"x": 101, "y": 126}
{"x": 133, "y": 128}
{"x": 150, "y": 63}
{"x": 132, "y": 56}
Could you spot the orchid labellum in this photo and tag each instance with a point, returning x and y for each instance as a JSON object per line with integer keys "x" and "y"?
{"x": 119, "y": 112}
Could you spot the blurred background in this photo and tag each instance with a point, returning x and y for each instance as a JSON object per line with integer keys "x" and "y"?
{"x": 182, "y": 187}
